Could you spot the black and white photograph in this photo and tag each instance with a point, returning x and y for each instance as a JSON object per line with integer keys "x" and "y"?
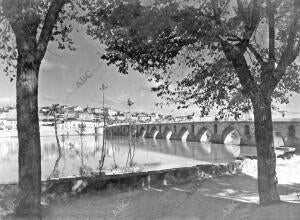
{"x": 150, "y": 109}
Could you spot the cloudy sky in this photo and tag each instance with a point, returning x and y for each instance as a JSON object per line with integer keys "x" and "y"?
{"x": 61, "y": 71}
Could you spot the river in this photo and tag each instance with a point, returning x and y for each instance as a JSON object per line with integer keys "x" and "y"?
{"x": 84, "y": 154}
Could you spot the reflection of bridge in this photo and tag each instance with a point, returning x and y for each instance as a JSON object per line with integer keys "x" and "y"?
{"x": 215, "y": 132}
{"x": 204, "y": 151}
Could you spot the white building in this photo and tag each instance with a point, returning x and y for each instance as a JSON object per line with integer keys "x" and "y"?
{"x": 85, "y": 116}
{"x": 96, "y": 110}
{"x": 78, "y": 109}
{"x": 144, "y": 117}
{"x": 111, "y": 112}
{"x": 10, "y": 114}
{"x": 154, "y": 117}
{"x": 8, "y": 125}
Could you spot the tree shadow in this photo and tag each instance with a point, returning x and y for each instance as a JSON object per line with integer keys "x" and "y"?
{"x": 243, "y": 188}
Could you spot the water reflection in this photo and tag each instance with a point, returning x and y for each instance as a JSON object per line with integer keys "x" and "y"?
{"x": 233, "y": 137}
{"x": 206, "y": 147}
{"x": 56, "y": 171}
{"x": 169, "y": 145}
{"x": 185, "y": 145}
{"x": 81, "y": 156}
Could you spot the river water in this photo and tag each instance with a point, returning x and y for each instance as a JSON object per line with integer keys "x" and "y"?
{"x": 80, "y": 156}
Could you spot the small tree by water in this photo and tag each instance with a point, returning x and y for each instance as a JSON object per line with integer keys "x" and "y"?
{"x": 54, "y": 111}
{"x": 131, "y": 143}
{"x": 84, "y": 170}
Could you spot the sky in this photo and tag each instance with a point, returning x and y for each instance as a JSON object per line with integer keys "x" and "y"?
{"x": 61, "y": 82}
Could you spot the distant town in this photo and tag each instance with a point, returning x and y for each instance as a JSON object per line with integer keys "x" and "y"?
{"x": 89, "y": 115}
{"x": 71, "y": 116}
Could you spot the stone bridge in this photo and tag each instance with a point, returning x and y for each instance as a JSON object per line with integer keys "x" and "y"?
{"x": 234, "y": 132}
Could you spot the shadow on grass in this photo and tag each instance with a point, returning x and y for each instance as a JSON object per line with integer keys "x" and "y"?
{"x": 228, "y": 197}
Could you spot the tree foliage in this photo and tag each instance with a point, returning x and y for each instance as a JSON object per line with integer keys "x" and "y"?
{"x": 194, "y": 36}
{"x": 36, "y": 14}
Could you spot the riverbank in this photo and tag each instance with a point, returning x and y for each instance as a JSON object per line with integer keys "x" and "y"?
{"x": 221, "y": 197}
{"x": 227, "y": 197}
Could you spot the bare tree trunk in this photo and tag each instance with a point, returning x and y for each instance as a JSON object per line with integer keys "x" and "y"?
{"x": 29, "y": 158}
{"x": 55, "y": 173}
{"x": 56, "y": 135}
{"x": 266, "y": 158}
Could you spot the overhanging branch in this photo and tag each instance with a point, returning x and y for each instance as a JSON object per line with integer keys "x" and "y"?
{"x": 271, "y": 24}
{"x": 257, "y": 55}
{"x": 49, "y": 22}
{"x": 234, "y": 55}
{"x": 251, "y": 22}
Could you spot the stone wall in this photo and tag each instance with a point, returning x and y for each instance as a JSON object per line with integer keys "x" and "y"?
{"x": 126, "y": 182}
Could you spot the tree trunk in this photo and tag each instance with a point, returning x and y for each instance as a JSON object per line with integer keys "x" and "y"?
{"x": 29, "y": 202}
{"x": 266, "y": 158}
{"x": 56, "y": 135}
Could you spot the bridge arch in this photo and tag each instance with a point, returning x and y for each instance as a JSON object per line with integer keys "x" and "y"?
{"x": 247, "y": 130}
{"x": 133, "y": 130}
{"x": 231, "y": 135}
{"x": 154, "y": 131}
{"x": 278, "y": 139}
{"x": 142, "y": 132}
{"x": 167, "y": 133}
{"x": 204, "y": 135}
{"x": 183, "y": 134}
{"x": 119, "y": 130}
{"x": 291, "y": 131}
{"x": 109, "y": 132}
{"x": 126, "y": 128}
